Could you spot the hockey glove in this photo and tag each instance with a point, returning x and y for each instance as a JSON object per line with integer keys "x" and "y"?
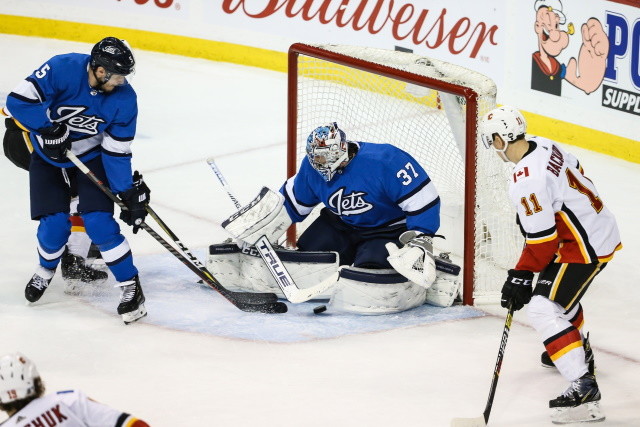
{"x": 415, "y": 259}
{"x": 55, "y": 140}
{"x": 517, "y": 289}
{"x": 136, "y": 200}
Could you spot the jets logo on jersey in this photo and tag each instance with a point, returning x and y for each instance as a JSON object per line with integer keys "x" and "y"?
{"x": 520, "y": 174}
{"x": 350, "y": 204}
{"x": 77, "y": 121}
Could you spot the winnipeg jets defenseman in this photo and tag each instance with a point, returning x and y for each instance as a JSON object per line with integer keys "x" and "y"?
{"x": 85, "y": 104}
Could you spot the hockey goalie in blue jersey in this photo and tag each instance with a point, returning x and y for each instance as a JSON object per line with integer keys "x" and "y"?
{"x": 375, "y": 197}
{"x": 85, "y": 104}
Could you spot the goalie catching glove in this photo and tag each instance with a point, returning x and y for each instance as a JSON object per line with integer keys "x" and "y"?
{"x": 415, "y": 259}
{"x": 264, "y": 216}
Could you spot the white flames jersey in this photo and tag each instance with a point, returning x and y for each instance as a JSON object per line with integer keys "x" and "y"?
{"x": 560, "y": 212}
{"x": 70, "y": 409}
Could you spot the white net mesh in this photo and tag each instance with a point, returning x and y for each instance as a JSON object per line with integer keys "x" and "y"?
{"x": 428, "y": 124}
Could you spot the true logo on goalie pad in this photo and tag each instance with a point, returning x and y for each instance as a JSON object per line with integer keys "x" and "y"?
{"x": 274, "y": 265}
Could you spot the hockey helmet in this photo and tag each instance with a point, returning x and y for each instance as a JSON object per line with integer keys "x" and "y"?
{"x": 17, "y": 378}
{"x": 327, "y": 149}
{"x": 114, "y": 55}
{"x": 506, "y": 121}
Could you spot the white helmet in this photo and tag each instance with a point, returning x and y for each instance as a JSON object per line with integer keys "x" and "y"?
{"x": 17, "y": 378}
{"x": 506, "y": 121}
{"x": 327, "y": 149}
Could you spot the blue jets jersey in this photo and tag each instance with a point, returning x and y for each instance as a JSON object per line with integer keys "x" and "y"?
{"x": 381, "y": 186}
{"x": 99, "y": 123}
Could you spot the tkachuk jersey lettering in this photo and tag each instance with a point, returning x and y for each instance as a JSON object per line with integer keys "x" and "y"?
{"x": 70, "y": 409}
{"x": 59, "y": 91}
{"x": 559, "y": 210}
{"x": 381, "y": 186}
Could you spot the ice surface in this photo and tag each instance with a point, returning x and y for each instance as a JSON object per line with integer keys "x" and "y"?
{"x": 197, "y": 360}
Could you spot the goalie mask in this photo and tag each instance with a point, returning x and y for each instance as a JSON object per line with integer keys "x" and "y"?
{"x": 327, "y": 150}
{"x": 17, "y": 378}
{"x": 505, "y": 121}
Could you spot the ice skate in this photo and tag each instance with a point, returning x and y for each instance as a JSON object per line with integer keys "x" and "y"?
{"x": 75, "y": 272}
{"x": 131, "y": 306}
{"x": 38, "y": 284}
{"x": 546, "y": 361}
{"x": 579, "y": 403}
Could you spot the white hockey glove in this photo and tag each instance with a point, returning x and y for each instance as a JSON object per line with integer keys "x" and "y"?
{"x": 264, "y": 216}
{"x": 415, "y": 259}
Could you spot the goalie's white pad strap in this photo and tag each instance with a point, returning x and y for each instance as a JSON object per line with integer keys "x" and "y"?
{"x": 264, "y": 216}
{"x": 247, "y": 272}
{"x": 368, "y": 291}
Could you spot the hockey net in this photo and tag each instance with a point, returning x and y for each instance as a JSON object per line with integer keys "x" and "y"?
{"x": 430, "y": 109}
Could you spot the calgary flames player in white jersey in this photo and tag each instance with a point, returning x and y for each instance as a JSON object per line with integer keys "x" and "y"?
{"x": 22, "y": 398}
{"x": 570, "y": 237}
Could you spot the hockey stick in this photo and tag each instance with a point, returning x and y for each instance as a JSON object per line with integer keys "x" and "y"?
{"x": 483, "y": 420}
{"x": 244, "y": 305}
{"x": 271, "y": 259}
{"x": 248, "y": 297}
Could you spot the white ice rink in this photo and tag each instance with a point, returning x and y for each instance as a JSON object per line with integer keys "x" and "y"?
{"x": 198, "y": 361}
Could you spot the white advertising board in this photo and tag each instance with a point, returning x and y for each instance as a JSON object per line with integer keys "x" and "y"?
{"x": 589, "y": 78}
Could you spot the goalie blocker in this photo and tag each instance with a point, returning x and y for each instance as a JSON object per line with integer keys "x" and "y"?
{"x": 356, "y": 290}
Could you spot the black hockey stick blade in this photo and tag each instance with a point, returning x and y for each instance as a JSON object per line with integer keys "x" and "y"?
{"x": 251, "y": 297}
{"x": 254, "y": 297}
{"x": 268, "y": 308}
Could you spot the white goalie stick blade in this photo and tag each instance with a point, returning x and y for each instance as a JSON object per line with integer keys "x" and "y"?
{"x": 468, "y": 422}
{"x": 284, "y": 279}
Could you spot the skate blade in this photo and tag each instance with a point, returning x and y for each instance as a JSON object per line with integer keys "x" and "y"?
{"x": 135, "y": 315}
{"x": 585, "y": 413}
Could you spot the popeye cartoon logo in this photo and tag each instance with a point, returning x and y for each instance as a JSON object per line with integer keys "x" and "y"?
{"x": 585, "y": 73}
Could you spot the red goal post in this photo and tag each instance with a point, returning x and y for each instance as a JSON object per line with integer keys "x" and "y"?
{"x": 431, "y": 109}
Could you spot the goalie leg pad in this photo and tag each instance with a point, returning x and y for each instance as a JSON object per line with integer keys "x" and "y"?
{"x": 264, "y": 216}
{"x": 247, "y": 272}
{"x": 370, "y": 292}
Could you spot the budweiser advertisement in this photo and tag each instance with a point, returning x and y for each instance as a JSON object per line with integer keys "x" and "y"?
{"x": 465, "y": 32}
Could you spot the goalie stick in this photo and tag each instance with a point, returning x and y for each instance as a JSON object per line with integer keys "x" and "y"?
{"x": 483, "y": 420}
{"x": 272, "y": 260}
{"x": 240, "y": 302}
